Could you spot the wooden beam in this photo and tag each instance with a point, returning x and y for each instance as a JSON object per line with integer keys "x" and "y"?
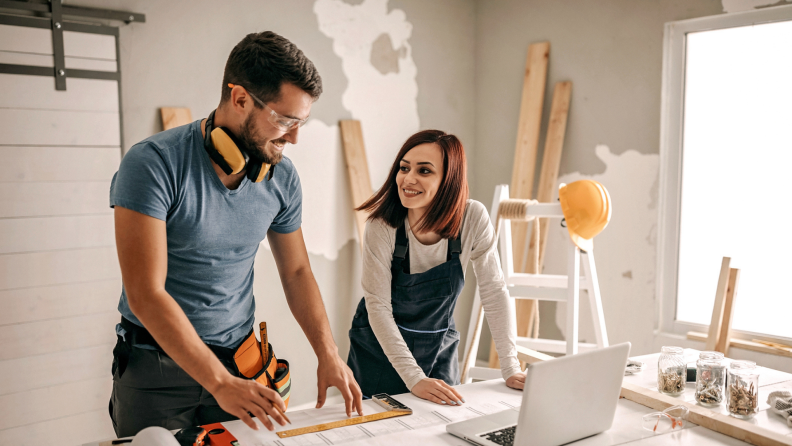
{"x": 528, "y": 356}
{"x": 728, "y": 310}
{"x": 717, "y": 310}
{"x": 524, "y": 169}
{"x": 175, "y": 117}
{"x": 357, "y": 170}
{"x": 744, "y": 344}
{"x": 548, "y": 177}
{"x": 718, "y": 422}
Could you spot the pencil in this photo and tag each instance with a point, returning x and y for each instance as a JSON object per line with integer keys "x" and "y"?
{"x": 277, "y": 409}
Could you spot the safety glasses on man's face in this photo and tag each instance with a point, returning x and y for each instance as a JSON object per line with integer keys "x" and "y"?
{"x": 278, "y": 121}
{"x": 671, "y": 419}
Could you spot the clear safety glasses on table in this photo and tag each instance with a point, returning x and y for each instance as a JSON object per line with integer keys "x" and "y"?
{"x": 671, "y": 419}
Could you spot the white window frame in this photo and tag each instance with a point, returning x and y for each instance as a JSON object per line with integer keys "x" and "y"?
{"x": 671, "y": 132}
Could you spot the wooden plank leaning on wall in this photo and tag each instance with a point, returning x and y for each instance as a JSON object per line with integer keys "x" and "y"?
{"x": 524, "y": 168}
{"x": 175, "y": 117}
{"x": 551, "y": 163}
{"x": 357, "y": 170}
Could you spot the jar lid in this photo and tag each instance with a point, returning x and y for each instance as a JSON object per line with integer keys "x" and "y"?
{"x": 671, "y": 349}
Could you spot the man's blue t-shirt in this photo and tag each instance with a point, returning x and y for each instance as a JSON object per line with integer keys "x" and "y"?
{"x": 213, "y": 232}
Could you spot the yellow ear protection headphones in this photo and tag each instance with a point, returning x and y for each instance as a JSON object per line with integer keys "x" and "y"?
{"x": 224, "y": 149}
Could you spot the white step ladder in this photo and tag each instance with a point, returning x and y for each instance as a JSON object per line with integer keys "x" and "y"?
{"x": 540, "y": 287}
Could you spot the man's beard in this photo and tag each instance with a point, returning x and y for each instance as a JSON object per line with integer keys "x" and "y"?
{"x": 254, "y": 147}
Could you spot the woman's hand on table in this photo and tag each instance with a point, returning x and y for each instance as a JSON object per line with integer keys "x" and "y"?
{"x": 516, "y": 381}
{"x": 437, "y": 391}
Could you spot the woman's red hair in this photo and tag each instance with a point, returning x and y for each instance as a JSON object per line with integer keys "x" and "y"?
{"x": 444, "y": 216}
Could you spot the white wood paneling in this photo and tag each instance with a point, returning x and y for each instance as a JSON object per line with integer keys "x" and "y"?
{"x": 49, "y": 403}
{"x": 73, "y": 430}
{"x": 40, "y": 60}
{"x": 59, "y": 275}
{"x": 54, "y": 198}
{"x": 59, "y": 128}
{"x": 25, "y": 40}
{"x": 58, "y": 267}
{"x": 38, "y": 338}
{"x": 39, "y": 41}
{"x": 97, "y": 46}
{"x": 35, "y": 372}
{"x": 19, "y": 235}
{"x": 81, "y": 94}
{"x": 31, "y": 164}
{"x": 58, "y": 301}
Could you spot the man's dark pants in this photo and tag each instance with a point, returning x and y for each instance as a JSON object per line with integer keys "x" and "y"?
{"x": 154, "y": 391}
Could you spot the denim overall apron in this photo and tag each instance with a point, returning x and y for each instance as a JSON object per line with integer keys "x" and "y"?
{"x": 423, "y": 309}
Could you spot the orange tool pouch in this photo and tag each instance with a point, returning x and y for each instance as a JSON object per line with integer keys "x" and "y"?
{"x": 256, "y": 360}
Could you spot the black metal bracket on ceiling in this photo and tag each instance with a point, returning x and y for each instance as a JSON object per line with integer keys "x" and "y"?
{"x": 56, "y": 11}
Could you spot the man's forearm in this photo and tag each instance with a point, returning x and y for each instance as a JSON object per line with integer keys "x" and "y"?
{"x": 169, "y": 326}
{"x": 305, "y": 303}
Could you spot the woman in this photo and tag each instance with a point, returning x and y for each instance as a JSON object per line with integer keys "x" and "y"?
{"x": 421, "y": 233}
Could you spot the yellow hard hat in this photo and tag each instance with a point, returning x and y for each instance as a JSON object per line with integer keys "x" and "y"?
{"x": 587, "y": 210}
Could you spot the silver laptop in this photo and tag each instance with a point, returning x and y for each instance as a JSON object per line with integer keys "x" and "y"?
{"x": 564, "y": 400}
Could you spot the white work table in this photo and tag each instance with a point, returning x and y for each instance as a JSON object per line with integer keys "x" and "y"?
{"x": 427, "y": 424}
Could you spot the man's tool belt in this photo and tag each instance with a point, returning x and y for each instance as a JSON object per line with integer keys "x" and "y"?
{"x": 246, "y": 359}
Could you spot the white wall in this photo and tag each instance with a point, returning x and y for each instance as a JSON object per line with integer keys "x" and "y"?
{"x": 58, "y": 265}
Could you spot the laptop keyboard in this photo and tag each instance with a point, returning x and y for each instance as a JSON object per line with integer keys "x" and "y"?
{"x": 504, "y": 437}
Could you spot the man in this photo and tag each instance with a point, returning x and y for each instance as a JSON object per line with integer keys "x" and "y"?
{"x": 187, "y": 233}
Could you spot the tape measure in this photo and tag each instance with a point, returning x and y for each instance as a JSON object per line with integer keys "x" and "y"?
{"x": 395, "y": 409}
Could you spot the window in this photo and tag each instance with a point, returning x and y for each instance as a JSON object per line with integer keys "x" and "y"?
{"x": 726, "y": 157}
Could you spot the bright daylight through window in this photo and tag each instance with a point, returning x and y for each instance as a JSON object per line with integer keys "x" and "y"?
{"x": 736, "y": 182}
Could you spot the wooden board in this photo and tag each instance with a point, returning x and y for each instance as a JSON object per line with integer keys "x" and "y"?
{"x": 173, "y": 117}
{"x": 717, "y": 310}
{"x": 82, "y": 94}
{"x": 743, "y": 344}
{"x": 38, "y": 338}
{"x": 36, "y": 372}
{"x": 40, "y": 234}
{"x": 551, "y": 163}
{"x": 39, "y": 41}
{"x": 49, "y": 403}
{"x": 58, "y": 301}
{"x": 357, "y": 170}
{"x": 524, "y": 169}
{"x": 528, "y": 130}
{"x": 33, "y": 164}
{"x": 58, "y": 267}
{"x": 728, "y": 311}
{"x": 72, "y": 430}
{"x": 59, "y": 128}
{"x": 72, "y": 63}
{"x": 724, "y": 424}
{"x": 51, "y": 199}
{"x": 529, "y": 356}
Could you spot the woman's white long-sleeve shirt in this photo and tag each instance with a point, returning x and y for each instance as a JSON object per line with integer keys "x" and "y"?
{"x": 478, "y": 246}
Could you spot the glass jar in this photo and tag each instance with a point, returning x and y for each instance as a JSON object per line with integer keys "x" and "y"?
{"x": 742, "y": 389}
{"x": 710, "y": 378}
{"x": 671, "y": 371}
